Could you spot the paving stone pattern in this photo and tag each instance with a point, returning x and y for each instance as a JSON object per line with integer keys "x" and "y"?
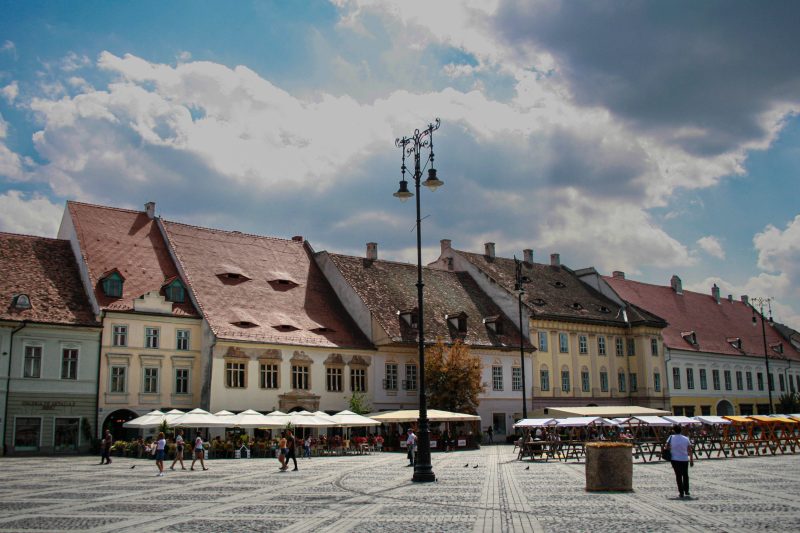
{"x": 373, "y": 493}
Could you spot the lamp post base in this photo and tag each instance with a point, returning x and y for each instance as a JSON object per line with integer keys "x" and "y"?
{"x": 423, "y": 474}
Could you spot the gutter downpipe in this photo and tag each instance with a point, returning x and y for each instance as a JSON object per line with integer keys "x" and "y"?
{"x": 97, "y": 426}
{"x": 665, "y": 381}
{"x": 8, "y": 383}
{"x": 628, "y": 356}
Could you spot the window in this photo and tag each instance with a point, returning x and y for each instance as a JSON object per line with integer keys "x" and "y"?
{"x": 181, "y": 381}
{"x": 542, "y": 341}
{"x": 235, "y": 374}
{"x": 33, "y": 362}
{"x": 497, "y": 378}
{"x": 65, "y": 435}
{"x": 544, "y": 379}
{"x": 749, "y": 379}
{"x": 516, "y": 378}
{"x": 563, "y": 343}
{"x": 390, "y": 383}
{"x": 760, "y": 380}
{"x": 112, "y": 285}
{"x": 585, "y": 381}
{"x": 676, "y": 378}
{"x": 411, "y": 377}
{"x": 583, "y": 345}
{"x": 601, "y": 345}
{"x": 120, "y": 336}
{"x": 703, "y": 379}
{"x": 300, "y": 377}
{"x": 634, "y": 382}
{"x": 657, "y": 382}
{"x": 621, "y": 381}
{"x": 565, "y": 380}
{"x": 728, "y": 381}
{"x": 268, "y": 375}
{"x": 791, "y": 385}
{"x": 619, "y": 346}
{"x": 334, "y": 379}
{"x": 21, "y": 301}
{"x": 151, "y": 337}
{"x": 69, "y": 363}
{"x": 150, "y": 382}
{"x": 27, "y": 434}
{"x": 739, "y": 380}
{"x": 603, "y": 381}
{"x": 715, "y": 378}
{"x": 781, "y": 383}
{"x": 690, "y": 378}
{"x": 182, "y": 339}
{"x": 631, "y": 347}
{"x": 118, "y": 379}
{"x": 358, "y": 380}
{"x": 705, "y": 410}
{"x": 654, "y": 347}
{"x": 174, "y": 292}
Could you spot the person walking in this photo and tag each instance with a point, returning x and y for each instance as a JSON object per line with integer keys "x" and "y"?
{"x": 680, "y": 448}
{"x": 178, "y": 451}
{"x": 490, "y": 433}
{"x": 161, "y": 452}
{"x": 199, "y": 452}
{"x": 282, "y": 452}
{"x": 291, "y": 446}
{"x": 411, "y": 446}
{"x": 307, "y": 447}
{"x": 105, "y": 448}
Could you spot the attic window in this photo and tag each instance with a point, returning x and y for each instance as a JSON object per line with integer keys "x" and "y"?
{"x": 690, "y": 337}
{"x": 285, "y": 328}
{"x": 21, "y": 301}
{"x": 244, "y": 324}
{"x": 322, "y": 329}
{"x": 559, "y": 285}
{"x": 777, "y": 347}
{"x": 112, "y": 284}
{"x": 283, "y": 282}
{"x": 736, "y": 342}
{"x": 539, "y": 302}
{"x": 458, "y": 321}
{"x": 604, "y": 309}
{"x": 494, "y": 324}
{"x": 174, "y": 291}
{"x": 232, "y": 273}
{"x": 236, "y": 276}
{"x": 577, "y": 306}
{"x": 409, "y": 317}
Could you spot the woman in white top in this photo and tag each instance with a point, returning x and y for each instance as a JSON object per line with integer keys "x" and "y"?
{"x": 161, "y": 445}
{"x": 681, "y": 449}
{"x": 178, "y": 451}
{"x": 199, "y": 452}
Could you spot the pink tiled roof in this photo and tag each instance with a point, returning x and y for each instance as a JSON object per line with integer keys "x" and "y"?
{"x": 45, "y": 271}
{"x": 283, "y": 313}
{"x": 130, "y": 242}
{"x": 714, "y": 325}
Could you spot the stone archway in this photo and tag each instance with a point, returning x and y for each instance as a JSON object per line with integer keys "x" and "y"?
{"x": 298, "y": 400}
{"x": 114, "y": 422}
{"x": 725, "y": 408}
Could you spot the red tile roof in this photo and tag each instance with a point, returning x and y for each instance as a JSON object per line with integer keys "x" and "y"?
{"x": 387, "y": 287}
{"x": 284, "y": 294}
{"x": 716, "y": 325}
{"x": 130, "y": 242}
{"x": 44, "y": 270}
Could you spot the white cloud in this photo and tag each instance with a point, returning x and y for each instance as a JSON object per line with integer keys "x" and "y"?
{"x": 10, "y": 92}
{"x": 11, "y": 165}
{"x": 72, "y": 62}
{"x": 30, "y": 214}
{"x": 712, "y": 246}
{"x": 9, "y": 47}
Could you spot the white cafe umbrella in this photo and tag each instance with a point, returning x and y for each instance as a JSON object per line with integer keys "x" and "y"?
{"x": 172, "y": 415}
{"x": 251, "y": 419}
{"x": 323, "y": 415}
{"x": 150, "y": 420}
{"x": 224, "y": 413}
{"x": 349, "y": 419}
{"x": 197, "y": 418}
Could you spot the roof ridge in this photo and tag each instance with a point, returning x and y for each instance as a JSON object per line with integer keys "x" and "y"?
{"x": 31, "y": 237}
{"x": 234, "y": 232}
{"x": 108, "y": 207}
{"x": 390, "y": 262}
{"x": 502, "y": 257}
{"x": 684, "y": 291}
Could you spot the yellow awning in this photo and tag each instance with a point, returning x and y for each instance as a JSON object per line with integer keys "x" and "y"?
{"x": 739, "y": 419}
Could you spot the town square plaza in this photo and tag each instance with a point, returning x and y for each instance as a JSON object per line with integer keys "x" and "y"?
{"x": 480, "y": 490}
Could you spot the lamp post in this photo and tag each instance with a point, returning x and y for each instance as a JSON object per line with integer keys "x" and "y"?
{"x": 761, "y": 301}
{"x": 519, "y": 286}
{"x": 414, "y": 145}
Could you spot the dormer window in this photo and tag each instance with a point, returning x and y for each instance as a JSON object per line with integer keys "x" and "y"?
{"x": 777, "y": 347}
{"x": 174, "y": 290}
{"x": 539, "y": 302}
{"x": 244, "y": 324}
{"x": 286, "y": 328}
{"x": 232, "y": 273}
{"x": 21, "y": 301}
{"x": 458, "y": 321}
{"x": 112, "y": 283}
{"x": 322, "y": 330}
{"x": 736, "y": 342}
{"x": 559, "y": 285}
{"x": 281, "y": 280}
{"x": 577, "y": 306}
{"x": 690, "y": 337}
{"x": 409, "y": 316}
{"x": 604, "y": 309}
{"x": 494, "y": 324}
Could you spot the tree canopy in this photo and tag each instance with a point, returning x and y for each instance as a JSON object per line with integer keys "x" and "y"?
{"x": 453, "y": 377}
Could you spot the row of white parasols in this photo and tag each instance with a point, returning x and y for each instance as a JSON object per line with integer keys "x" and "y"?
{"x": 198, "y": 418}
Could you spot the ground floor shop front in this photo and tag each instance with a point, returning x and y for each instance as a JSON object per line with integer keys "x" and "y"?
{"x": 49, "y": 423}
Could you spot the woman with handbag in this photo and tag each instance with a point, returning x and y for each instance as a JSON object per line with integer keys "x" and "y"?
{"x": 678, "y": 450}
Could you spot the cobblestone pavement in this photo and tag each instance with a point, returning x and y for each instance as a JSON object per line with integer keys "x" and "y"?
{"x": 484, "y": 490}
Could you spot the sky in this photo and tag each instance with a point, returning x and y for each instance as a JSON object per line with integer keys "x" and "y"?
{"x": 655, "y": 138}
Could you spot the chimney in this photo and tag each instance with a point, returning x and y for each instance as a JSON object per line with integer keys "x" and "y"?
{"x": 618, "y": 274}
{"x": 372, "y": 251}
{"x": 555, "y": 260}
{"x": 745, "y": 299}
{"x": 489, "y": 249}
{"x": 150, "y": 209}
{"x": 297, "y": 238}
{"x": 730, "y": 298}
{"x": 715, "y": 292}
{"x": 527, "y": 255}
{"x": 445, "y": 243}
{"x": 676, "y": 284}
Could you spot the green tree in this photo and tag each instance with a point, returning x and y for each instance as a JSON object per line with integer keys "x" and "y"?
{"x": 789, "y": 403}
{"x": 358, "y": 403}
{"x": 453, "y": 377}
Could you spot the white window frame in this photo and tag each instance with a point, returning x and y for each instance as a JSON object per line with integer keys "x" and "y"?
{"x": 111, "y": 378}
{"x": 563, "y": 343}
{"x": 25, "y": 359}
{"x": 188, "y": 380}
{"x": 334, "y": 379}
{"x": 119, "y": 331}
{"x": 497, "y": 378}
{"x": 358, "y": 379}
{"x": 235, "y": 374}
{"x": 150, "y": 374}
{"x": 544, "y": 379}
{"x": 151, "y": 334}
{"x": 601, "y": 345}
{"x": 186, "y": 339}
{"x": 77, "y": 349}
{"x": 516, "y": 378}
{"x": 583, "y": 344}
{"x": 269, "y": 370}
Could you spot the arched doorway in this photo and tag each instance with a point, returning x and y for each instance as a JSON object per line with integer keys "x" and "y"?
{"x": 725, "y": 408}
{"x": 114, "y": 421}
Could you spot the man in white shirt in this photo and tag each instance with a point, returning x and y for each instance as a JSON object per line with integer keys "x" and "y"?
{"x": 681, "y": 449}
{"x": 411, "y": 446}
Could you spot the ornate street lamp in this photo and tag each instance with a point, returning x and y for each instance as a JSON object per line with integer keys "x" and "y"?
{"x": 761, "y": 301}
{"x": 519, "y": 286}
{"x": 414, "y": 145}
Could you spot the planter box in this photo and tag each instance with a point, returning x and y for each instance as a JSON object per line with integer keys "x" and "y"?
{"x": 609, "y": 466}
